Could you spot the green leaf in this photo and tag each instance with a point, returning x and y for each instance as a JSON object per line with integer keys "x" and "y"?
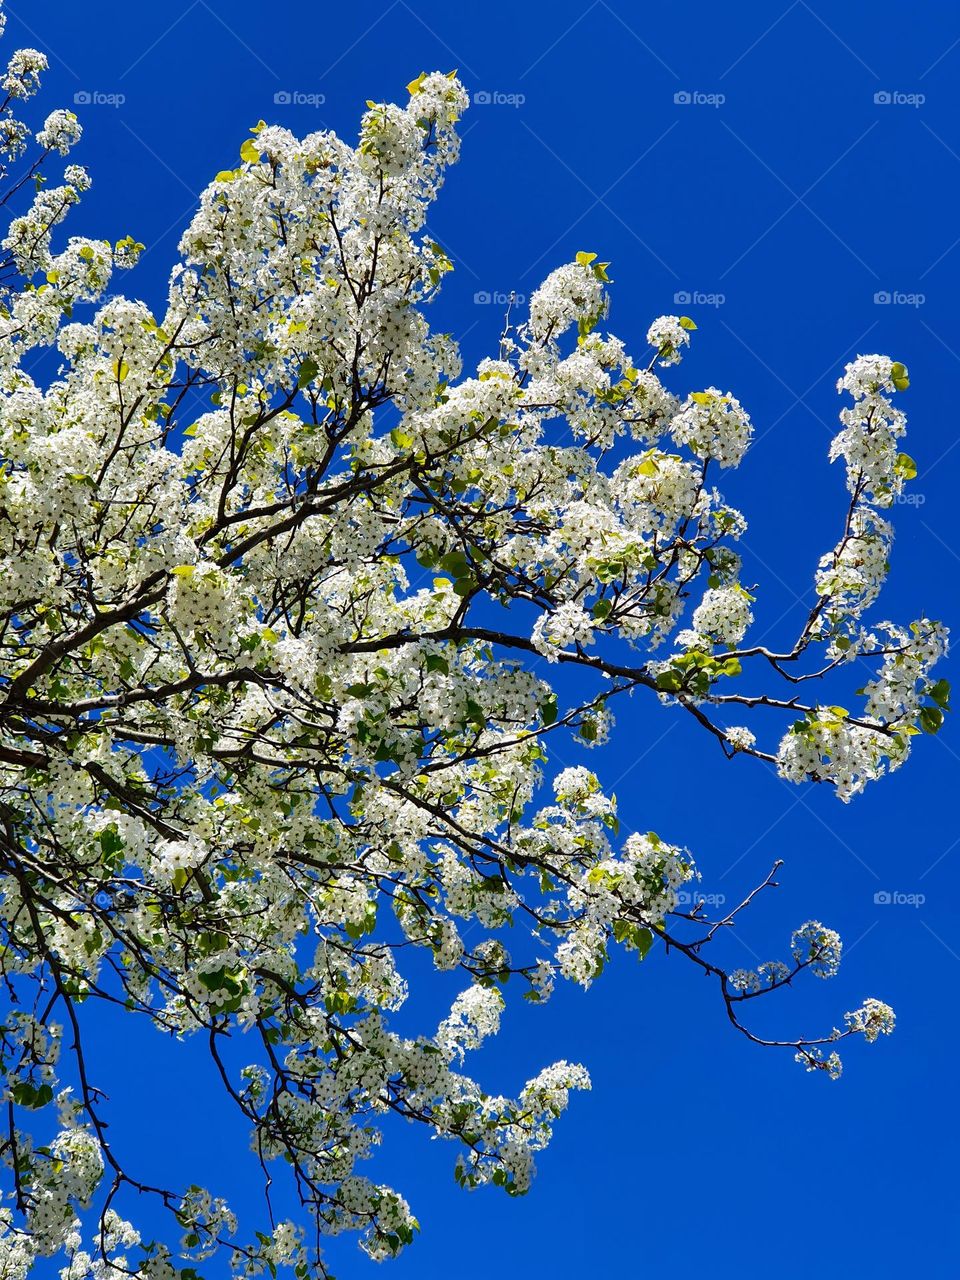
{"x": 669, "y": 681}
{"x": 401, "y": 439}
{"x": 687, "y": 323}
{"x": 222, "y": 980}
{"x": 898, "y": 376}
{"x": 931, "y": 718}
{"x": 340, "y": 1002}
{"x": 110, "y": 840}
{"x": 905, "y": 466}
{"x": 435, "y": 662}
{"x": 940, "y": 693}
{"x": 394, "y": 852}
{"x": 26, "y": 1094}
{"x": 548, "y": 709}
{"x": 308, "y": 371}
{"x": 455, "y": 563}
{"x": 209, "y": 943}
{"x": 250, "y": 152}
{"x": 475, "y": 715}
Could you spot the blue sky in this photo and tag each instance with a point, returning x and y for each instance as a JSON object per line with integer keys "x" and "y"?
{"x": 789, "y": 167}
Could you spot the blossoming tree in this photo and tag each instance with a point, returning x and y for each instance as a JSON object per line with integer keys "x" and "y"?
{"x": 273, "y": 700}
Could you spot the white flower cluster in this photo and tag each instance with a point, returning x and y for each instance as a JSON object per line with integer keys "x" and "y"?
{"x": 565, "y": 627}
{"x": 61, "y": 132}
{"x": 570, "y": 295}
{"x": 474, "y": 1015}
{"x": 826, "y": 745}
{"x": 818, "y": 947}
{"x": 744, "y": 981}
{"x": 68, "y": 1179}
{"x": 18, "y": 1250}
{"x": 871, "y": 1020}
{"x": 576, "y": 787}
{"x": 659, "y": 870}
{"x": 173, "y": 856}
{"x": 713, "y": 425}
{"x": 897, "y": 693}
{"x": 202, "y": 597}
{"x": 871, "y": 429}
{"x": 813, "y": 1059}
{"x": 22, "y": 78}
{"x": 723, "y": 614}
{"x": 768, "y": 974}
{"x": 851, "y": 576}
{"x": 668, "y": 335}
{"x": 656, "y": 491}
{"x": 14, "y": 137}
{"x": 773, "y": 971}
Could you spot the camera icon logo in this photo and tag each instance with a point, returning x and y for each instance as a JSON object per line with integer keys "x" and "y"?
{"x": 882, "y": 898}
{"x": 882, "y": 298}
{"x": 482, "y": 98}
{"x": 82, "y": 98}
{"x": 282, "y": 98}
{"x": 882, "y": 97}
{"x": 482, "y": 296}
{"x": 682, "y": 98}
{"x": 682, "y": 297}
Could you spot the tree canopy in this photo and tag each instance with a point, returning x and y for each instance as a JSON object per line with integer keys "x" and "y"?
{"x": 275, "y": 677}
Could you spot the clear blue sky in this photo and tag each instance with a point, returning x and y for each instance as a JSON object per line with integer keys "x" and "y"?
{"x": 798, "y": 199}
